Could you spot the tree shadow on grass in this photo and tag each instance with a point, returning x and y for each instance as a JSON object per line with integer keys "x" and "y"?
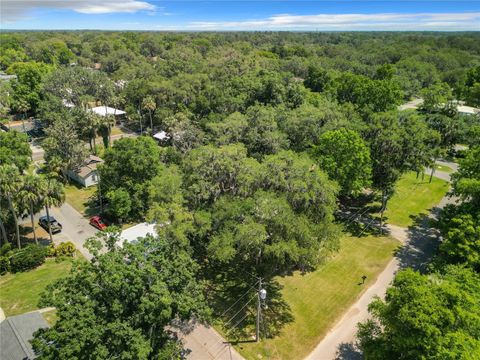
{"x": 422, "y": 245}
{"x": 234, "y": 301}
{"x": 348, "y": 351}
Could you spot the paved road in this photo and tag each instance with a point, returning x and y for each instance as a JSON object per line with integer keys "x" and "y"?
{"x": 419, "y": 245}
{"x": 75, "y": 227}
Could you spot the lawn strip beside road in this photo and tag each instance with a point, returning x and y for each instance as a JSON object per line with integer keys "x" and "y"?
{"x": 319, "y": 298}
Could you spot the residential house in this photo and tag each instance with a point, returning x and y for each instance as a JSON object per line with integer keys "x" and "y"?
{"x": 86, "y": 175}
{"x": 16, "y": 333}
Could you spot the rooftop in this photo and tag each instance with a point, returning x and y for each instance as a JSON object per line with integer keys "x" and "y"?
{"x": 16, "y": 333}
{"x": 140, "y": 230}
{"x": 107, "y": 110}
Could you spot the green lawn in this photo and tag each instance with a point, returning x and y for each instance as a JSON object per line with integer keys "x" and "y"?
{"x": 79, "y": 197}
{"x": 443, "y": 168}
{"x": 414, "y": 197}
{"x": 20, "y": 292}
{"x": 320, "y": 298}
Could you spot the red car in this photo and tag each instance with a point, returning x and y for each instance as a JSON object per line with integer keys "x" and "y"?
{"x": 96, "y": 221}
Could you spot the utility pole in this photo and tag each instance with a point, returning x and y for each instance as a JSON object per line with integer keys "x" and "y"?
{"x": 262, "y": 295}
{"x": 259, "y": 309}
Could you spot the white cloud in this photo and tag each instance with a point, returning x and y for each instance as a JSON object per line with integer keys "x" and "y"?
{"x": 387, "y": 21}
{"x": 13, "y": 10}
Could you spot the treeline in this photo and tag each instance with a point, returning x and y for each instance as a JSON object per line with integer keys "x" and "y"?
{"x": 267, "y": 134}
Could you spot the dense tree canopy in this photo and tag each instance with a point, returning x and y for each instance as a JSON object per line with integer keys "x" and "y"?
{"x": 434, "y": 316}
{"x": 121, "y": 303}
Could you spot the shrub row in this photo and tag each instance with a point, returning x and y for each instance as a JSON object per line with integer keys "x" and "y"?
{"x": 31, "y": 256}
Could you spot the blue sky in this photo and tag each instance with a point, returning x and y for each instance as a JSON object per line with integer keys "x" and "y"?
{"x": 240, "y": 15}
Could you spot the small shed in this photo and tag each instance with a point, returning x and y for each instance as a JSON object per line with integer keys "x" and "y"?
{"x": 86, "y": 175}
{"x": 16, "y": 333}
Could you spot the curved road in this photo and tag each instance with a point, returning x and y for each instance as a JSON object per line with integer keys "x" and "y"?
{"x": 419, "y": 245}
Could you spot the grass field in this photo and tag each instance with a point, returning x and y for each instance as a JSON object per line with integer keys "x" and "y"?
{"x": 79, "y": 197}
{"x": 320, "y": 298}
{"x": 20, "y": 292}
{"x": 443, "y": 168}
{"x": 414, "y": 197}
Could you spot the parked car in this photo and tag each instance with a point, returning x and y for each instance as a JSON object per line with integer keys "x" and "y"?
{"x": 54, "y": 224}
{"x": 97, "y": 222}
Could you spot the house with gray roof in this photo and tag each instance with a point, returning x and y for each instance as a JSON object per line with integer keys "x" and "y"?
{"x": 16, "y": 333}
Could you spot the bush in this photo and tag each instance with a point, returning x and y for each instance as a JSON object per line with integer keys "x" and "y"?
{"x": 65, "y": 249}
{"x": 5, "y": 254}
{"x": 27, "y": 258}
{"x": 4, "y": 265}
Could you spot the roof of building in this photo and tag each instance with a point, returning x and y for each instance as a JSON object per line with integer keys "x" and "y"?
{"x": 6, "y": 77}
{"x": 161, "y": 135}
{"x": 89, "y": 166}
{"x": 140, "y": 230}
{"x": 464, "y": 109}
{"x": 17, "y": 331}
{"x": 107, "y": 110}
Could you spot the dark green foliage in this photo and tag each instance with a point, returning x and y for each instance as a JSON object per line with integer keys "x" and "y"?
{"x": 466, "y": 182}
{"x": 346, "y": 159}
{"x": 120, "y": 303}
{"x": 14, "y": 149}
{"x": 434, "y": 316}
{"x": 130, "y": 165}
{"x": 27, "y": 258}
{"x": 5, "y": 254}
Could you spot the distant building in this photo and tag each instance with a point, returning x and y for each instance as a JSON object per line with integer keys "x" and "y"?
{"x": 86, "y": 175}
{"x": 161, "y": 136}
{"x": 107, "y": 110}
{"x": 6, "y": 77}
{"x": 467, "y": 110}
{"x": 16, "y": 333}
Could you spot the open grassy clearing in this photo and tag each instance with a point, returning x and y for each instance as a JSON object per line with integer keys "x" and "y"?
{"x": 318, "y": 299}
{"x": 20, "y": 292}
{"x": 79, "y": 197}
{"x": 414, "y": 197}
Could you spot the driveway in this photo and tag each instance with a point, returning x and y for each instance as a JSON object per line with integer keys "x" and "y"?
{"x": 75, "y": 227}
{"x": 419, "y": 245}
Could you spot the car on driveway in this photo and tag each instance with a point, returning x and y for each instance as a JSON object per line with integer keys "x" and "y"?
{"x": 54, "y": 224}
{"x": 97, "y": 222}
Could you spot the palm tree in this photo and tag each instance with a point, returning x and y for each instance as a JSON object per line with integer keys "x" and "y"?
{"x": 10, "y": 184}
{"x": 23, "y": 106}
{"x": 53, "y": 195}
{"x": 2, "y": 227}
{"x": 30, "y": 195}
{"x": 149, "y": 104}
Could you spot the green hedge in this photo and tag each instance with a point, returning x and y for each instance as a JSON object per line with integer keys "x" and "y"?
{"x": 27, "y": 258}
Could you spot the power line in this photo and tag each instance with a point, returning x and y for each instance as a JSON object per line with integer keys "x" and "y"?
{"x": 241, "y": 297}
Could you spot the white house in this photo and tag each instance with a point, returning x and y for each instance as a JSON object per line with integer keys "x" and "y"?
{"x": 161, "y": 136}
{"x": 138, "y": 231}
{"x": 467, "y": 110}
{"x": 86, "y": 175}
{"x": 107, "y": 110}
